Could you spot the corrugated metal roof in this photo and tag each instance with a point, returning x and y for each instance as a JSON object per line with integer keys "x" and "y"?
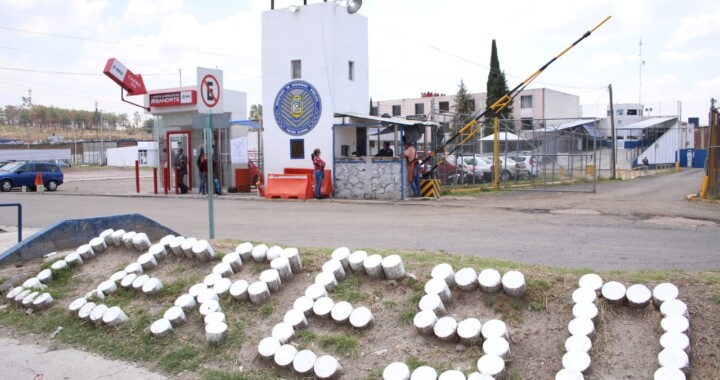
{"x": 378, "y": 119}
{"x": 567, "y": 125}
{"x": 648, "y": 123}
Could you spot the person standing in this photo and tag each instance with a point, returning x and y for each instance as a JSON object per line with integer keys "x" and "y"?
{"x": 318, "y": 172}
{"x": 413, "y": 169}
{"x": 182, "y": 170}
{"x": 203, "y": 170}
{"x": 386, "y": 150}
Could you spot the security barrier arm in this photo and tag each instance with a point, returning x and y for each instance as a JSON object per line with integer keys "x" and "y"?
{"x": 501, "y": 103}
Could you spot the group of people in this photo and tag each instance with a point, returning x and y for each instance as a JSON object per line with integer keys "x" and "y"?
{"x": 181, "y": 161}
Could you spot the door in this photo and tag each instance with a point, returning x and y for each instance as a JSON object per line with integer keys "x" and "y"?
{"x": 175, "y": 141}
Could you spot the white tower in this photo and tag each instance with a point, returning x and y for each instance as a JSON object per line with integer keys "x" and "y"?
{"x": 315, "y": 63}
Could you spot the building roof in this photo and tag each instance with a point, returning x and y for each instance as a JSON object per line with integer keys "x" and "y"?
{"x": 502, "y": 136}
{"x": 383, "y": 120}
{"x": 649, "y": 123}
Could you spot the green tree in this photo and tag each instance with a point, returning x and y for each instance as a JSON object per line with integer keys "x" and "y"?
{"x": 464, "y": 107}
{"x": 149, "y": 125}
{"x": 497, "y": 85}
{"x": 256, "y": 112}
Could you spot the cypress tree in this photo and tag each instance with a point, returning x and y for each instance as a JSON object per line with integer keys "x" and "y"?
{"x": 497, "y": 85}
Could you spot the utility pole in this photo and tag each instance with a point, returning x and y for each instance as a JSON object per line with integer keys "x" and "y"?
{"x": 612, "y": 133}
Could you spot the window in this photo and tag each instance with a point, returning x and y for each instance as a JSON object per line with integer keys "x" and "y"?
{"x": 374, "y": 111}
{"x": 419, "y": 108}
{"x": 351, "y": 70}
{"x": 619, "y": 112}
{"x": 297, "y": 148}
{"x": 526, "y": 101}
{"x": 396, "y": 111}
{"x": 526, "y": 124}
{"x": 296, "y": 69}
{"x": 444, "y": 106}
{"x": 632, "y": 112}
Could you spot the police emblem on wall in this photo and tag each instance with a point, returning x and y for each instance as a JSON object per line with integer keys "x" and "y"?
{"x": 297, "y": 108}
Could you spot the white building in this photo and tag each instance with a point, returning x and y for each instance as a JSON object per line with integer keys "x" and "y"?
{"x": 145, "y": 152}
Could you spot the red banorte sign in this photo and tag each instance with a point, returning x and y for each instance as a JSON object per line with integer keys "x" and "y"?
{"x": 175, "y": 98}
{"x": 132, "y": 83}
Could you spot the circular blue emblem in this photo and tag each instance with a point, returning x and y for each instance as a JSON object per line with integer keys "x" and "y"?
{"x": 297, "y": 108}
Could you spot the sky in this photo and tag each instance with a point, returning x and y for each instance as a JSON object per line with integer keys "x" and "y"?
{"x": 58, "y": 49}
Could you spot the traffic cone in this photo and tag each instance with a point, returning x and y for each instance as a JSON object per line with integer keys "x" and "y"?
{"x": 39, "y": 183}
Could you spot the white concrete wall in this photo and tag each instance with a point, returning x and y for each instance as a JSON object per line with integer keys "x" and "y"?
{"x": 324, "y": 37}
{"x": 35, "y": 154}
{"x": 122, "y": 157}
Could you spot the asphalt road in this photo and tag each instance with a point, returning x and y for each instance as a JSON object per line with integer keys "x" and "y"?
{"x": 644, "y": 223}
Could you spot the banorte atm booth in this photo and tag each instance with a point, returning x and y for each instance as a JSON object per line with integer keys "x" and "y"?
{"x": 177, "y": 124}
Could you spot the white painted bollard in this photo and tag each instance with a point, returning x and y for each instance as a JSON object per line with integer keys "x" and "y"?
{"x": 444, "y": 272}
{"x": 491, "y": 365}
{"x": 117, "y": 238}
{"x": 127, "y": 281}
{"x": 667, "y": 373}
{"x": 272, "y": 278}
{"x": 439, "y": 287}
{"x": 282, "y": 265}
{"x": 361, "y": 317}
{"x": 468, "y": 330}
{"x": 259, "y": 253}
{"x": 208, "y": 307}
{"x": 586, "y": 310}
{"x": 466, "y": 279}
{"x": 74, "y": 259}
{"x": 638, "y": 295}
{"x": 107, "y": 287}
{"x": 245, "y": 251}
{"x": 494, "y": 328}
{"x": 207, "y": 294}
{"x": 96, "y": 294}
{"x": 341, "y": 311}
{"x": 336, "y": 268}
{"x": 513, "y": 283}
{"x": 424, "y": 373}
{"x": 578, "y": 343}
{"x": 614, "y": 292}
{"x": 222, "y": 287}
{"x": 304, "y": 304}
{"x": 424, "y": 322}
{"x": 97, "y": 313}
{"x": 327, "y": 280}
{"x": 165, "y": 241}
{"x": 98, "y": 245}
{"x": 446, "y": 329}
{"x": 569, "y": 374}
{"x": 239, "y": 290}
{"x": 28, "y": 300}
{"x": 674, "y": 307}
{"x": 152, "y": 286}
{"x": 591, "y": 281}
{"x": 293, "y": 256}
{"x": 216, "y": 332}
{"x": 432, "y": 302}
{"x": 161, "y": 328}
{"x": 675, "y": 323}
{"x": 285, "y": 355}
{"x": 107, "y": 236}
{"x": 283, "y": 332}
{"x": 158, "y": 251}
{"x": 342, "y": 254}
{"x": 490, "y": 281}
{"x": 141, "y": 242}
{"x": 498, "y": 346}
{"x": 327, "y": 367}
{"x": 176, "y": 246}
{"x": 186, "y": 302}
{"x": 296, "y": 319}
{"x": 304, "y": 362}
{"x": 268, "y": 347}
{"x": 582, "y": 326}
{"x": 233, "y": 259}
{"x": 323, "y": 306}
{"x": 187, "y": 247}
{"x": 273, "y": 253}
{"x": 396, "y": 371}
{"x": 42, "y": 301}
{"x": 452, "y": 374}
{"x": 577, "y": 361}
{"x": 176, "y": 316}
{"x": 258, "y": 292}
{"x": 223, "y": 269}
{"x": 316, "y": 291}
{"x": 139, "y": 282}
{"x": 59, "y": 265}
{"x": 214, "y": 317}
{"x": 86, "y": 252}
{"x": 355, "y": 261}
{"x": 45, "y": 276}
{"x": 663, "y": 292}
{"x": 127, "y": 239}
{"x": 202, "y": 250}
{"x": 114, "y": 316}
{"x": 118, "y": 276}
{"x": 75, "y": 306}
{"x": 373, "y": 266}
{"x": 134, "y": 268}
{"x": 675, "y": 340}
{"x": 584, "y": 295}
{"x": 147, "y": 261}
{"x": 20, "y": 296}
{"x": 393, "y": 267}
{"x": 211, "y": 279}
{"x": 85, "y": 310}
{"x": 14, "y": 292}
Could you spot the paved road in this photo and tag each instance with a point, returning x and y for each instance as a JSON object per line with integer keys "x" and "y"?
{"x": 640, "y": 224}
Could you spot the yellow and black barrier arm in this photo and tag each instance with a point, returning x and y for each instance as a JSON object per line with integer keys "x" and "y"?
{"x": 503, "y": 102}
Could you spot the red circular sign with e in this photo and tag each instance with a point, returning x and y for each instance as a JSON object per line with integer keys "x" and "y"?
{"x": 210, "y": 91}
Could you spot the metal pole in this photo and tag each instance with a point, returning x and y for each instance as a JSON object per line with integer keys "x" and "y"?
{"x": 612, "y": 134}
{"x": 496, "y": 155}
{"x": 211, "y": 176}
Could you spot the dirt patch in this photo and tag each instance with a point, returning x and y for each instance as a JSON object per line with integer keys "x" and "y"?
{"x": 626, "y": 345}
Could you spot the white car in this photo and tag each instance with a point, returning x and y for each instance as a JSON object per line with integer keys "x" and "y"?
{"x": 482, "y": 167}
{"x": 510, "y": 169}
{"x": 532, "y": 167}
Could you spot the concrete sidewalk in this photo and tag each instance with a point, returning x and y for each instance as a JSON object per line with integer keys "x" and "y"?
{"x": 9, "y": 236}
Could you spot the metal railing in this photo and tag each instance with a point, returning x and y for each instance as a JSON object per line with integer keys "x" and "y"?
{"x": 19, "y": 207}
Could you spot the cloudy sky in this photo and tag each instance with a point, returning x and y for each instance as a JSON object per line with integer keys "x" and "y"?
{"x": 58, "y": 49}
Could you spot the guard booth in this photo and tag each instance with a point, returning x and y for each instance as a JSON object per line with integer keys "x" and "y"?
{"x": 177, "y": 124}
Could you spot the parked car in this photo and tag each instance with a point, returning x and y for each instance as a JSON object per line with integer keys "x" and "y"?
{"x": 450, "y": 173}
{"x": 480, "y": 165}
{"x": 510, "y": 169}
{"x": 19, "y": 174}
{"x": 532, "y": 167}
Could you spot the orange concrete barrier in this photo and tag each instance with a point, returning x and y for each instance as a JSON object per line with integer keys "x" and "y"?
{"x": 288, "y": 186}
{"x": 326, "y": 189}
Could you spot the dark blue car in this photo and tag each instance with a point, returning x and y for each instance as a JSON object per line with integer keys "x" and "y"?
{"x": 17, "y": 174}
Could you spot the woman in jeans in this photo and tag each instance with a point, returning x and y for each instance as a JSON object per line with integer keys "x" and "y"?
{"x": 203, "y": 170}
{"x": 319, "y": 172}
